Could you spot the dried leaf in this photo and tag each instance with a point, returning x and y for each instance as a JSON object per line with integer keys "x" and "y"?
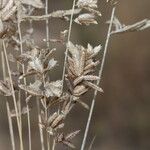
{"x": 51, "y": 64}
{"x": 33, "y": 89}
{"x": 86, "y": 19}
{"x": 53, "y": 89}
{"x": 36, "y": 64}
{"x": 29, "y": 55}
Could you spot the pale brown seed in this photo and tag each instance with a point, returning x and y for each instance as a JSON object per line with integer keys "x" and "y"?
{"x": 57, "y": 121}
{"x": 95, "y": 87}
{"x": 79, "y": 90}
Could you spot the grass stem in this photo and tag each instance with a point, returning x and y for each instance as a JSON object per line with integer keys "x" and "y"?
{"x": 10, "y": 126}
{"x": 68, "y": 39}
{"x": 100, "y": 75}
{"x": 39, "y": 121}
{"x": 14, "y": 97}
{"x": 25, "y": 82}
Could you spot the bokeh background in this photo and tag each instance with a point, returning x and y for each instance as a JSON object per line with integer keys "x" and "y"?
{"x": 121, "y": 119}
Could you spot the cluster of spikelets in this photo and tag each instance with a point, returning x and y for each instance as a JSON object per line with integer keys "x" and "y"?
{"x": 80, "y": 68}
{"x": 38, "y": 62}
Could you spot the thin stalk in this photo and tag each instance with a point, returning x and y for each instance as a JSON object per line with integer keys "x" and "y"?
{"x": 19, "y": 108}
{"x": 46, "y": 115}
{"x": 3, "y": 65}
{"x": 7, "y": 106}
{"x": 100, "y": 75}
{"x": 23, "y": 68}
{"x": 71, "y": 20}
{"x": 47, "y": 24}
{"x": 29, "y": 127}
{"x": 19, "y": 93}
{"x": 39, "y": 121}
{"x": 28, "y": 112}
{"x": 14, "y": 98}
{"x": 48, "y": 46}
{"x": 47, "y": 134}
{"x": 68, "y": 39}
{"x": 19, "y": 104}
{"x": 38, "y": 108}
{"x": 54, "y": 144}
{"x": 10, "y": 126}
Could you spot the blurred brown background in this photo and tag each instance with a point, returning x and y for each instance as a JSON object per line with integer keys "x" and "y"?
{"x": 121, "y": 120}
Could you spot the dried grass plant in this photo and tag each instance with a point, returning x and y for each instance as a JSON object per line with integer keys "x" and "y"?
{"x": 32, "y": 61}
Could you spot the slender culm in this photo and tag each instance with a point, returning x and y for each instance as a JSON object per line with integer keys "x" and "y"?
{"x": 100, "y": 75}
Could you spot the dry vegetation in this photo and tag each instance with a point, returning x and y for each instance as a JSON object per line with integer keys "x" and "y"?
{"x": 55, "y": 99}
